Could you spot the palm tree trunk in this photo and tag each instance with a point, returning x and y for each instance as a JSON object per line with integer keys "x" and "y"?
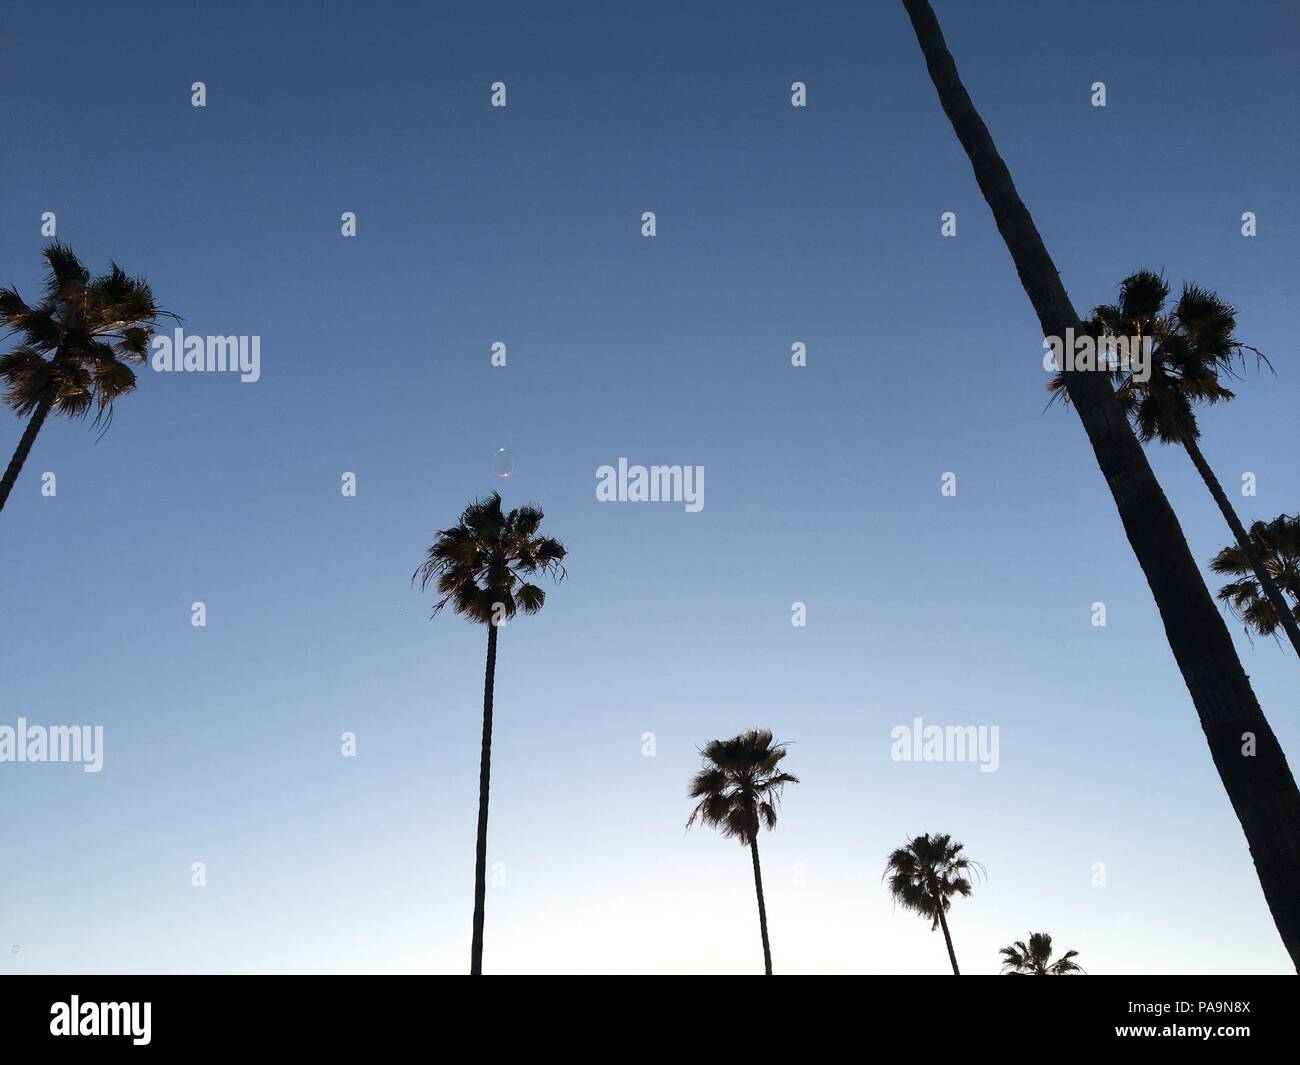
{"x": 1247, "y": 545}
{"x": 762, "y": 910}
{"x": 484, "y": 773}
{"x": 25, "y": 446}
{"x": 1261, "y": 788}
{"x": 952, "y": 955}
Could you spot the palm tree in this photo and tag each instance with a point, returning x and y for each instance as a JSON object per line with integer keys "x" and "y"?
{"x": 738, "y": 791}
{"x": 1193, "y": 343}
{"x": 925, "y": 875}
{"x": 1035, "y": 959}
{"x": 482, "y": 566}
{"x": 1261, "y": 788}
{"x": 75, "y": 346}
{"x": 1277, "y": 543}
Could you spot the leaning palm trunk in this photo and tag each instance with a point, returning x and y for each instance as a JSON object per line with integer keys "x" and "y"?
{"x": 1246, "y": 544}
{"x": 25, "y": 446}
{"x": 762, "y": 910}
{"x": 1261, "y": 788}
{"x": 484, "y": 773}
{"x": 947, "y": 937}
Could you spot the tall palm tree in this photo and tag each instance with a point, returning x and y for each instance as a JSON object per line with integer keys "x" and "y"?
{"x": 1193, "y": 346}
{"x": 738, "y": 791}
{"x": 1277, "y": 544}
{"x": 1261, "y": 788}
{"x": 482, "y": 567}
{"x": 1034, "y": 959}
{"x": 75, "y": 346}
{"x": 924, "y": 876}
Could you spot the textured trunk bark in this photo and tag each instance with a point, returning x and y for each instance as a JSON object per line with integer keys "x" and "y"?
{"x": 947, "y": 938}
{"x": 1247, "y": 755}
{"x": 762, "y": 910}
{"x": 1247, "y": 545}
{"x": 484, "y": 773}
{"x": 25, "y": 446}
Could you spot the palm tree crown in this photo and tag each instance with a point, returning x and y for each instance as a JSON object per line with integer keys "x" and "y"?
{"x": 483, "y": 563}
{"x": 1192, "y": 343}
{"x": 1278, "y": 545}
{"x": 740, "y": 785}
{"x": 924, "y": 875}
{"x": 76, "y": 344}
{"x": 1035, "y": 958}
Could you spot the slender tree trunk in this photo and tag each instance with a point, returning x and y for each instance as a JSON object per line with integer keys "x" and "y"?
{"x": 762, "y": 910}
{"x": 1247, "y": 545}
{"x": 952, "y": 955}
{"x": 25, "y": 446}
{"x": 1246, "y": 753}
{"x": 484, "y": 772}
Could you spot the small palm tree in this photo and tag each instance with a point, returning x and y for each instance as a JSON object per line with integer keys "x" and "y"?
{"x": 1277, "y": 543}
{"x": 738, "y": 791}
{"x": 924, "y": 875}
{"x": 1035, "y": 959}
{"x": 1193, "y": 347}
{"x": 481, "y": 567}
{"x": 75, "y": 346}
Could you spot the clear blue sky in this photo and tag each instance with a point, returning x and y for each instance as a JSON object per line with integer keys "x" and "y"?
{"x": 775, "y": 225}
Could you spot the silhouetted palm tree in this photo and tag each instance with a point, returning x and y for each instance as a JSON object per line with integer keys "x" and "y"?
{"x": 1035, "y": 959}
{"x": 739, "y": 789}
{"x": 1193, "y": 346}
{"x": 923, "y": 877}
{"x": 1277, "y": 544}
{"x": 1264, "y": 794}
{"x": 75, "y": 346}
{"x": 481, "y": 566}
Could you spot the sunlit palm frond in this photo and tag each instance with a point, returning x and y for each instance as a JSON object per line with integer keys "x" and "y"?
{"x": 924, "y": 875}
{"x": 739, "y": 787}
{"x": 1277, "y": 543}
{"x": 478, "y": 566}
{"x": 84, "y": 332}
{"x": 1035, "y": 958}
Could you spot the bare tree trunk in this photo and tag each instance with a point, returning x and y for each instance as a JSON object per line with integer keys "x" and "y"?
{"x": 25, "y": 446}
{"x": 1247, "y": 755}
{"x": 1247, "y": 545}
{"x": 952, "y": 955}
{"x": 484, "y": 773}
{"x": 762, "y": 910}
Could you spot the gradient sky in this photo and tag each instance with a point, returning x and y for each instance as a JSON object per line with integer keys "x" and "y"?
{"x": 775, "y": 225}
